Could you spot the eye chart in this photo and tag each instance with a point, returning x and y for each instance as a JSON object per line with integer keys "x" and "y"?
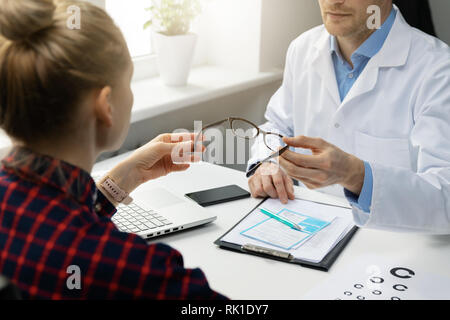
{"x": 374, "y": 278}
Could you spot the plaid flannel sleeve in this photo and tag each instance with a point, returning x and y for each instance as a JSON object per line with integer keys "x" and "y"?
{"x": 103, "y": 206}
{"x": 117, "y": 265}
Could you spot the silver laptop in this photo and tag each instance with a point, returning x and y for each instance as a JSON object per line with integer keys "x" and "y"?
{"x": 156, "y": 211}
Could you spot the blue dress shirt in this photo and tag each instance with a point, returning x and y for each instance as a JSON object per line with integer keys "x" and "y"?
{"x": 346, "y": 76}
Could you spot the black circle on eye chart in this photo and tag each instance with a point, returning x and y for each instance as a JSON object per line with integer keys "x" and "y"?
{"x": 376, "y": 292}
{"x": 347, "y": 293}
{"x": 360, "y": 298}
{"x": 377, "y": 280}
{"x": 394, "y": 272}
{"x": 358, "y": 286}
{"x": 396, "y": 287}
{"x": 395, "y": 298}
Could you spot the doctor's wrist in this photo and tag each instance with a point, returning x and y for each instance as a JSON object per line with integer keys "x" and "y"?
{"x": 354, "y": 181}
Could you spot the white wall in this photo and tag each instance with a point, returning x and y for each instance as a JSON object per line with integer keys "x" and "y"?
{"x": 254, "y": 34}
{"x": 231, "y": 29}
{"x": 250, "y": 35}
{"x": 282, "y": 22}
{"x": 441, "y": 11}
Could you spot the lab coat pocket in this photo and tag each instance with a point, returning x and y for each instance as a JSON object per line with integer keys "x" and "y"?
{"x": 385, "y": 151}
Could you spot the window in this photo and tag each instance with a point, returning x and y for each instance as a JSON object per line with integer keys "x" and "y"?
{"x": 130, "y": 16}
{"x": 227, "y": 36}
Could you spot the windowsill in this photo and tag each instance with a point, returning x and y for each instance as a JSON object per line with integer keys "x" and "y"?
{"x": 152, "y": 97}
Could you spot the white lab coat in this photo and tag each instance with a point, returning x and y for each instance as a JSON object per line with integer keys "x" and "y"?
{"x": 396, "y": 117}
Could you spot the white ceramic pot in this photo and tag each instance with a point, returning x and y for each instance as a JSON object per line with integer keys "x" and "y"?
{"x": 175, "y": 54}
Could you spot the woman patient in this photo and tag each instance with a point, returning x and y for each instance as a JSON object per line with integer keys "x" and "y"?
{"x": 64, "y": 98}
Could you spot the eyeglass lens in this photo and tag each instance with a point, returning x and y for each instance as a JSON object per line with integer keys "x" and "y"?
{"x": 244, "y": 129}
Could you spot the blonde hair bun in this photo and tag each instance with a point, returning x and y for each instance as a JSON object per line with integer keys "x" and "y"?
{"x": 20, "y": 19}
{"x": 47, "y": 68}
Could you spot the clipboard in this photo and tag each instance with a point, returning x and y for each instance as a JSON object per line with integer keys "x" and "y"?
{"x": 324, "y": 265}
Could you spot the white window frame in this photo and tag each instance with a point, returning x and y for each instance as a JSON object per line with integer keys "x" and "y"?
{"x": 144, "y": 66}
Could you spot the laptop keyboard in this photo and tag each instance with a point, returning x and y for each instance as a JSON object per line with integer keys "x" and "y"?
{"x": 133, "y": 219}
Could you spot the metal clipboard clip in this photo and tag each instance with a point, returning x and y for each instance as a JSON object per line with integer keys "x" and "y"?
{"x": 266, "y": 251}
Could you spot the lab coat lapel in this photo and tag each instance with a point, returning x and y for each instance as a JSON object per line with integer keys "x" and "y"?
{"x": 323, "y": 65}
{"x": 394, "y": 53}
{"x": 365, "y": 83}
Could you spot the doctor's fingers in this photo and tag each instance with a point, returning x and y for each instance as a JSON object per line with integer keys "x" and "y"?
{"x": 311, "y": 184}
{"x": 304, "y": 160}
{"x": 282, "y": 188}
{"x": 300, "y": 173}
{"x": 256, "y": 186}
{"x": 289, "y": 184}
{"x": 305, "y": 142}
{"x": 268, "y": 186}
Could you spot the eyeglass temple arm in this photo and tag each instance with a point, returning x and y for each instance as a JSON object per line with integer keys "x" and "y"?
{"x": 209, "y": 126}
{"x": 266, "y": 132}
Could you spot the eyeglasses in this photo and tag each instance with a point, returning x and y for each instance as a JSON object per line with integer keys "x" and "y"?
{"x": 245, "y": 129}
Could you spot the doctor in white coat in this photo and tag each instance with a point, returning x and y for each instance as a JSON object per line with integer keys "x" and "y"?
{"x": 368, "y": 111}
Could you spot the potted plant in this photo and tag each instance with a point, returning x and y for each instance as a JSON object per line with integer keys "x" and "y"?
{"x": 174, "y": 44}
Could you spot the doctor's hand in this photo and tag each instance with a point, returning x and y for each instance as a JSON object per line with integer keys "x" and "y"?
{"x": 270, "y": 181}
{"x": 328, "y": 165}
{"x": 165, "y": 154}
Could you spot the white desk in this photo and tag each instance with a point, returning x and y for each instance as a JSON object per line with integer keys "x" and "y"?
{"x": 242, "y": 276}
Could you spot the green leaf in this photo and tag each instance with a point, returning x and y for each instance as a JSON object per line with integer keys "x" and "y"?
{"x": 148, "y": 24}
{"x": 173, "y": 16}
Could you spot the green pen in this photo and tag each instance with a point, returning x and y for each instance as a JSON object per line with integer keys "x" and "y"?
{"x": 282, "y": 220}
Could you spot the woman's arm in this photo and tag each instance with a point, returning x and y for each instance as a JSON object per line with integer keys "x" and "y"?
{"x": 165, "y": 154}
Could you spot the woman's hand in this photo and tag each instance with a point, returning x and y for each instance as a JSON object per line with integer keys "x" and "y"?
{"x": 165, "y": 154}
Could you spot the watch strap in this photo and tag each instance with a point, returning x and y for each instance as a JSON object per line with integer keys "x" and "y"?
{"x": 116, "y": 192}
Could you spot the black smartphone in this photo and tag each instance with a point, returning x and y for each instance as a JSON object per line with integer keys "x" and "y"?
{"x": 218, "y": 195}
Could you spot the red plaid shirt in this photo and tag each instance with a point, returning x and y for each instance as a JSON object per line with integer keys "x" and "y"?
{"x": 52, "y": 217}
